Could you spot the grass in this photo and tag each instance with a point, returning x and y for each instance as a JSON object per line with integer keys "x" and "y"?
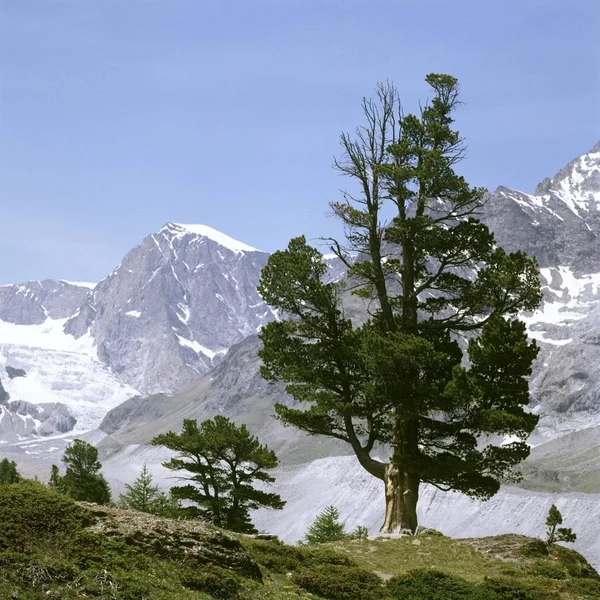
{"x": 78, "y": 553}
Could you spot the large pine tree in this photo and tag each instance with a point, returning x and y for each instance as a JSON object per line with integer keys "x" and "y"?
{"x": 433, "y": 284}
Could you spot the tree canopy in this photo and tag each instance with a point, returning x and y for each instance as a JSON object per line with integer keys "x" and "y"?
{"x": 223, "y": 461}
{"x": 435, "y": 365}
{"x": 9, "y": 472}
{"x": 82, "y": 479}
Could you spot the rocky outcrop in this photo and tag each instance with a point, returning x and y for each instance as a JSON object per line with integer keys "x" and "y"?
{"x": 12, "y": 372}
{"x": 20, "y": 420}
{"x": 192, "y": 540}
{"x": 33, "y": 302}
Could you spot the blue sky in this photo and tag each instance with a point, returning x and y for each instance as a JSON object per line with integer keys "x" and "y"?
{"x": 117, "y": 116}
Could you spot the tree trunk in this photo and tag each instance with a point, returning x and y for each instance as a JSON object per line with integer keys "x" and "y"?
{"x": 401, "y": 496}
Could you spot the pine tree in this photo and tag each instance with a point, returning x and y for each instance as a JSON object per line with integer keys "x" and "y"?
{"x": 427, "y": 273}
{"x": 553, "y": 532}
{"x": 167, "y": 505}
{"x": 326, "y": 528}
{"x": 223, "y": 460}
{"x": 9, "y": 472}
{"x": 82, "y": 479}
{"x": 360, "y": 533}
{"x": 55, "y": 480}
{"x": 142, "y": 494}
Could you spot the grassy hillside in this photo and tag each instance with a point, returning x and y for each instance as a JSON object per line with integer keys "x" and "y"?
{"x": 52, "y": 548}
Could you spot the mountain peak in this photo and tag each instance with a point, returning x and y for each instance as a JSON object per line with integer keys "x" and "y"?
{"x": 577, "y": 184}
{"x": 180, "y": 230}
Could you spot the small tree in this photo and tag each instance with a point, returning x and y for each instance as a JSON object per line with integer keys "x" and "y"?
{"x": 360, "y": 533}
{"x": 327, "y": 527}
{"x": 142, "y": 494}
{"x": 55, "y": 480}
{"x": 223, "y": 461}
{"x": 8, "y": 471}
{"x": 166, "y": 505}
{"x": 82, "y": 480}
{"x": 554, "y": 533}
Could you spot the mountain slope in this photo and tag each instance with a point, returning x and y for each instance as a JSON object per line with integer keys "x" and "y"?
{"x": 174, "y": 305}
{"x": 560, "y": 223}
{"x": 233, "y": 388}
{"x": 34, "y": 302}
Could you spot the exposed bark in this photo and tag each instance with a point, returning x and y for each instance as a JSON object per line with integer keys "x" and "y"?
{"x": 401, "y": 496}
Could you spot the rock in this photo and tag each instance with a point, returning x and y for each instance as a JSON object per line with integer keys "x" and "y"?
{"x": 193, "y": 540}
{"x": 12, "y": 372}
{"x": 3, "y": 394}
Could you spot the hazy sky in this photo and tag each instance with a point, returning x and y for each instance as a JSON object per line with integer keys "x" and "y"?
{"x": 117, "y": 116}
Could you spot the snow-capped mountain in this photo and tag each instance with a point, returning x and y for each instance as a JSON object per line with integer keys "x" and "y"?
{"x": 181, "y": 313}
{"x": 560, "y": 223}
{"x": 34, "y": 302}
{"x": 170, "y": 310}
{"x": 174, "y": 305}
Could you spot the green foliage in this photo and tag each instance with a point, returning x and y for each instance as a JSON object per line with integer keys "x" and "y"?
{"x": 141, "y": 495}
{"x": 8, "y": 471}
{"x": 360, "y": 533}
{"x": 573, "y": 562}
{"x": 396, "y": 375}
{"x": 55, "y": 480}
{"x": 31, "y": 513}
{"x": 554, "y": 533}
{"x": 166, "y": 505}
{"x": 148, "y": 498}
{"x": 223, "y": 460}
{"x": 336, "y": 582}
{"x": 506, "y": 588}
{"x": 82, "y": 479}
{"x": 430, "y": 584}
{"x": 280, "y": 558}
{"x": 214, "y": 580}
{"x": 326, "y": 528}
{"x": 585, "y": 588}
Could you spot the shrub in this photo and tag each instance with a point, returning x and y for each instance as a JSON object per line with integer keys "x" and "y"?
{"x": 31, "y": 513}
{"x": 499, "y": 588}
{"x": 213, "y": 580}
{"x": 327, "y": 556}
{"x": 281, "y": 558}
{"x": 586, "y": 588}
{"x": 550, "y": 570}
{"x": 337, "y": 582}
{"x": 429, "y": 584}
{"x": 360, "y": 533}
{"x": 575, "y": 564}
{"x": 276, "y": 556}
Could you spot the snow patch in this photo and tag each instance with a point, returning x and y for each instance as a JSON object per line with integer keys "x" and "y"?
{"x": 49, "y": 335}
{"x": 84, "y": 284}
{"x": 179, "y": 230}
{"x": 199, "y": 348}
{"x": 134, "y": 313}
{"x": 87, "y": 387}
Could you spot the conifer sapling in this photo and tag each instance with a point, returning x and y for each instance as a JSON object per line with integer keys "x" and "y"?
{"x": 327, "y": 527}
{"x": 554, "y": 533}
